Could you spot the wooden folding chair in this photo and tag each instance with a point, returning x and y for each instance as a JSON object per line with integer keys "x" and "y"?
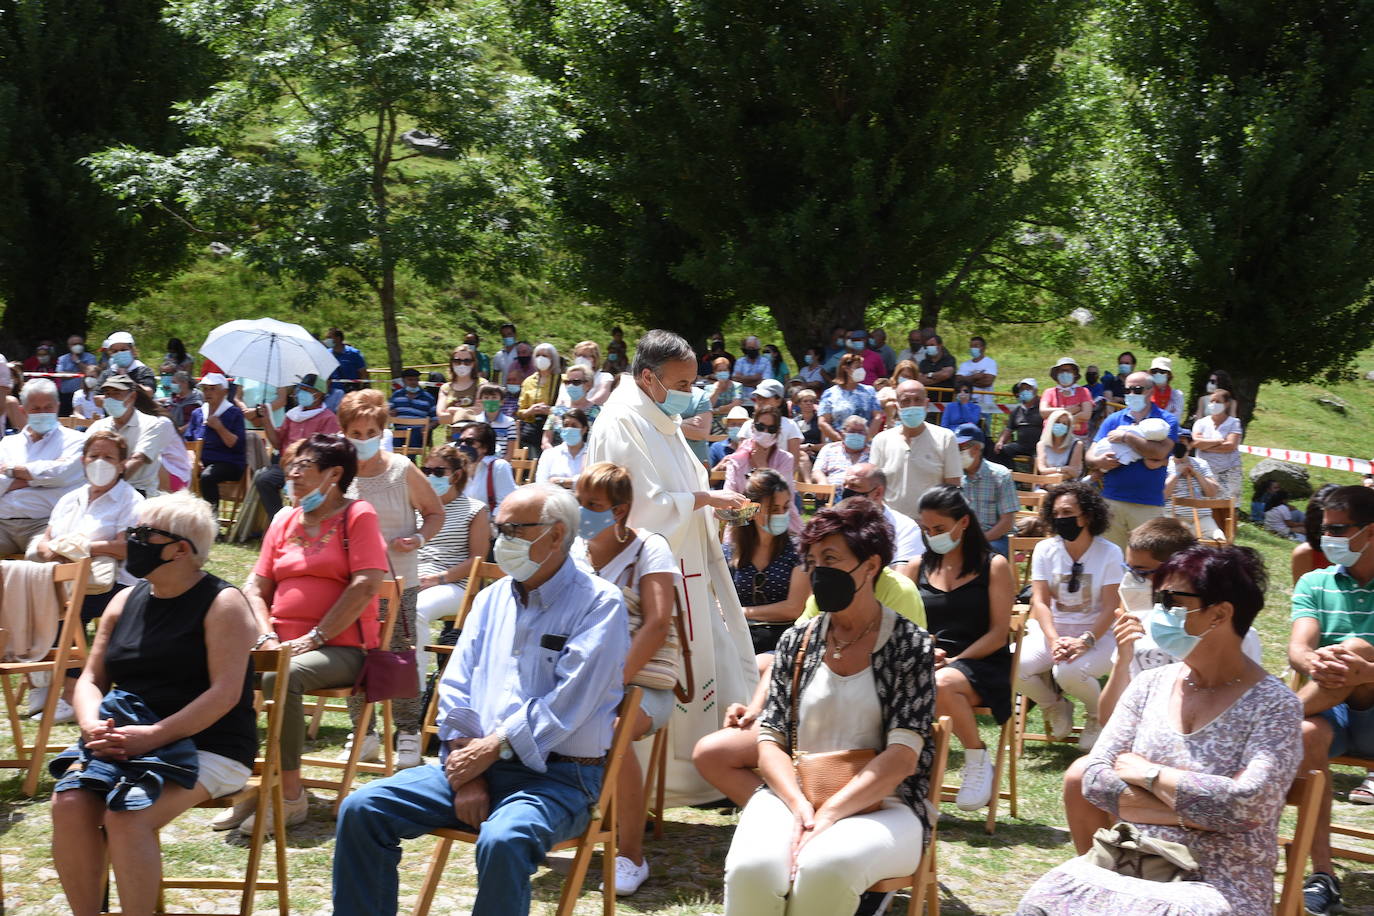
{"x": 267, "y": 768}
{"x": 1030, "y": 501}
{"x": 482, "y": 573}
{"x": 924, "y": 882}
{"x": 391, "y": 594}
{"x": 1021, "y": 550}
{"x": 80, "y": 424}
{"x": 522, "y": 469}
{"x": 823, "y": 494}
{"x": 69, "y": 580}
{"x": 1035, "y": 480}
{"x": 1005, "y": 735}
{"x": 656, "y": 779}
{"x": 1223, "y": 513}
{"x": 1306, "y": 793}
{"x": 517, "y": 453}
{"x": 231, "y": 499}
{"x": 600, "y": 830}
{"x": 400, "y": 431}
{"x": 195, "y": 447}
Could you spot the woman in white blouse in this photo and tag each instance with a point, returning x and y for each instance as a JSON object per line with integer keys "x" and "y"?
{"x": 563, "y": 463}
{"x": 588, "y": 355}
{"x": 1217, "y": 440}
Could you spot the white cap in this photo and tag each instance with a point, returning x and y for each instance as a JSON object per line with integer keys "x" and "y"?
{"x": 214, "y": 379}
{"x": 1153, "y": 429}
{"x": 1162, "y": 363}
{"x": 737, "y": 413}
{"x": 118, "y": 337}
{"x": 1030, "y": 382}
{"x": 768, "y": 388}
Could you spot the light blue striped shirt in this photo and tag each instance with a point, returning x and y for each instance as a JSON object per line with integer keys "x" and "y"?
{"x": 546, "y": 669}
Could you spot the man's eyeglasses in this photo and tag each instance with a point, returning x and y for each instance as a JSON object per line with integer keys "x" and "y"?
{"x": 142, "y": 533}
{"x": 1338, "y": 530}
{"x": 512, "y": 529}
{"x": 1075, "y": 572}
{"x": 1137, "y": 389}
{"x": 1139, "y": 572}
{"x": 1169, "y": 598}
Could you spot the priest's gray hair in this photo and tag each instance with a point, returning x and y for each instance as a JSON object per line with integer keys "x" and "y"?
{"x": 560, "y": 506}
{"x": 656, "y": 348}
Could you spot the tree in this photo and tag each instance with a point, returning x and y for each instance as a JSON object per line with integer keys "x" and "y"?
{"x": 310, "y": 164}
{"x": 75, "y": 77}
{"x": 810, "y": 156}
{"x": 1232, "y": 221}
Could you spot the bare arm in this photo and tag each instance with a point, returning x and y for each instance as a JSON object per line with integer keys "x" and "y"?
{"x": 656, "y": 604}
{"x": 788, "y": 609}
{"x": 426, "y": 502}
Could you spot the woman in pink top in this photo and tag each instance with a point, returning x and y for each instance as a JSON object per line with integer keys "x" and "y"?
{"x": 1068, "y": 395}
{"x": 314, "y": 588}
{"x": 761, "y": 450}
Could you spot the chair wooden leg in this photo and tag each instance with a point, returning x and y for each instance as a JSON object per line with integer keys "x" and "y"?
{"x": 388, "y": 733}
{"x": 40, "y": 742}
{"x": 437, "y": 861}
{"x": 313, "y": 729}
{"x": 655, "y": 779}
{"x": 12, "y": 701}
{"x": 999, "y": 763}
{"x": 572, "y": 884}
{"x": 355, "y": 752}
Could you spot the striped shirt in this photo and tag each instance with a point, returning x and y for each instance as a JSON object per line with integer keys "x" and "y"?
{"x": 449, "y": 547}
{"x": 1341, "y": 606}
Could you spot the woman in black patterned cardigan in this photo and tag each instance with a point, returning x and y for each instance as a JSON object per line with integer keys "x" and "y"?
{"x": 867, "y": 681}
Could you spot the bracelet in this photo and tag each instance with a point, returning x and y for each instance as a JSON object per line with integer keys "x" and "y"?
{"x": 263, "y": 638}
{"x": 317, "y": 636}
{"x": 422, "y": 539}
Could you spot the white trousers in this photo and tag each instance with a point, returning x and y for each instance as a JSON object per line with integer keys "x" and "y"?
{"x": 432, "y": 604}
{"x": 833, "y": 870}
{"x": 1077, "y": 678}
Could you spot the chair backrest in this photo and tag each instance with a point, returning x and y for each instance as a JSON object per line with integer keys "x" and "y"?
{"x": 522, "y": 469}
{"x": 1223, "y": 513}
{"x": 822, "y": 493}
{"x": 518, "y": 452}
{"x": 483, "y": 573}
{"x": 1030, "y": 500}
{"x": 716, "y": 477}
{"x": 1035, "y": 480}
{"x": 939, "y": 734}
{"x": 80, "y": 424}
{"x": 400, "y": 431}
{"x": 1022, "y": 547}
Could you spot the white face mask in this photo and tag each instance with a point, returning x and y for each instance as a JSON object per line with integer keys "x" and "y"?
{"x": 966, "y": 459}
{"x": 513, "y": 556}
{"x": 858, "y": 374}
{"x": 765, "y": 439}
{"x": 1214, "y": 408}
{"x": 542, "y": 363}
{"x": 101, "y": 472}
{"x": 462, "y": 370}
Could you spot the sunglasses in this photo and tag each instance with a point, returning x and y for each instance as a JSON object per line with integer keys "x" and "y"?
{"x": 1168, "y": 598}
{"x": 758, "y": 584}
{"x": 1075, "y": 572}
{"x": 464, "y": 362}
{"x": 1338, "y": 530}
{"x": 1137, "y": 389}
{"x": 759, "y": 427}
{"x": 141, "y": 534}
{"x": 1138, "y": 571}
{"x": 435, "y": 472}
{"x": 512, "y": 529}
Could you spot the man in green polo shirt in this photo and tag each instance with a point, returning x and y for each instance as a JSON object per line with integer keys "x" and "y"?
{"x": 1332, "y": 643}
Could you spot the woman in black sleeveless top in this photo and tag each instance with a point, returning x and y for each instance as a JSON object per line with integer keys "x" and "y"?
{"x": 968, "y": 592}
{"x": 180, "y": 642}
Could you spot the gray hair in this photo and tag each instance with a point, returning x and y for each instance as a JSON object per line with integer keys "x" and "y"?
{"x": 37, "y": 386}
{"x": 853, "y": 417}
{"x": 184, "y": 515}
{"x": 549, "y": 350}
{"x": 657, "y": 348}
{"x": 559, "y": 506}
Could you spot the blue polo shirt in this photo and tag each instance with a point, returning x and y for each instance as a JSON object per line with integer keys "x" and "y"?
{"x": 1135, "y": 483}
{"x": 352, "y": 365}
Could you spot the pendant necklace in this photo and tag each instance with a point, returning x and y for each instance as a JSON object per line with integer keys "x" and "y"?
{"x": 841, "y": 646}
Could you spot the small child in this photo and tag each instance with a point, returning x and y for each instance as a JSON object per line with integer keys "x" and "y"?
{"x": 1152, "y": 429}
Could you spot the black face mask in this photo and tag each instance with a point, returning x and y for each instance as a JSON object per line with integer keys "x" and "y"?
{"x": 1092, "y": 378}
{"x": 523, "y": 361}
{"x": 143, "y": 558}
{"x": 833, "y": 587}
{"x": 1068, "y": 528}
{"x": 751, "y": 352}
{"x": 1180, "y": 450}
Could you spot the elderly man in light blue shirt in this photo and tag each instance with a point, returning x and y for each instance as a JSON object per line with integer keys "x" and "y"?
{"x": 527, "y": 706}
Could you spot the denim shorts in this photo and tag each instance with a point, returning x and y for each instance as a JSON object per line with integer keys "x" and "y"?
{"x": 1352, "y": 730}
{"x": 657, "y": 705}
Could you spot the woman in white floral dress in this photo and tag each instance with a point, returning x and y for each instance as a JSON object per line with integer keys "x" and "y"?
{"x": 1200, "y": 753}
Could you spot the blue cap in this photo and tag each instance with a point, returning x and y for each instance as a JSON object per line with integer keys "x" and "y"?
{"x": 969, "y": 432}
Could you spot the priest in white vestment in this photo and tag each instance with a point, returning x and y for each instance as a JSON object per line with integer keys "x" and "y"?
{"x": 638, "y": 429}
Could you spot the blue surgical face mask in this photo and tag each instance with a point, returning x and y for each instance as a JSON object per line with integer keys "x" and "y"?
{"x": 114, "y": 408}
{"x": 855, "y": 442}
{"x": 166, "y": 382}
{"x": 310, "y": 501}
{"x": 593, "y": 523}
{"x": 123, "y": 358}
{"x": 1060, "y": 429}
{"x": 1026, "y": 395}
{"x": 42, "y": 423}
{"x": 723, "y": 375}
{"x": 911, "y": 417}
{"x": 441, "y": 484}
{"x": 1165, "y": 626}
{"x": 733, "y": 432}
{"x": 508, "y": 341}
{"x": 1335, "y": 549}
{"x": 1125, "y": 369}
{"x": 575, "y": 392}
{"x": 777, "y": 524}
{"x": 674, "y": 403}
{"x": 572, "y": 436}
{"x": 1065, "y": 379}
{"x": 412, "y": 389}
{"x": 856, "y": 345}
{"x": 366, "y": 448}
{"x": 932, "y": 351}
{"x": 304, "y": 399}
{"x": 943, "y": 542}
{"x": 809, "y": 358}
{"x": 1160, "y": 378}
{"x": 1135, "y": 402}
{"x": 975, "y": 352}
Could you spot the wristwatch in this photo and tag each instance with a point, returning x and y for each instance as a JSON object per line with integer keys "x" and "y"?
{"x": 1089, "y": 639}
{"x": 506, "y": 752}
{"x": 1151, "y": 774}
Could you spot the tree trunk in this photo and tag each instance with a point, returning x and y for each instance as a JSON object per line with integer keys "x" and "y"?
{"x": 1246, "y": 393}
{"x": 806, "y": 323}
{"x": 386, "y": 297}
{"x": 931, "y": 303}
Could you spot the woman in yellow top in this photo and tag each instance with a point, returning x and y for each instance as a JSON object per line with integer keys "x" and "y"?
{"x": 538, "y": 392}
{"x": 458, "y": 397}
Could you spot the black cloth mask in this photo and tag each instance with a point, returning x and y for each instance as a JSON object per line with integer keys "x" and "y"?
{"x": 143, "y": 558}
{"x": 1068, "y": 528}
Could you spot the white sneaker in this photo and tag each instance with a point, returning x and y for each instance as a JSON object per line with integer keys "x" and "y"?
{"x": 628, "y": 876}
{"x": 1088, "y": 737}
{"x": 37, "y": 697}
{"x": 976, "y": 780}
{"x": 371, "y": 753}
{"x": 63, "y": 713}
{"x": 408, "y": 750}
{"x": 295, "y": 809}
{"x": 230, "y": 818}
{"x": 1059, "y": 719}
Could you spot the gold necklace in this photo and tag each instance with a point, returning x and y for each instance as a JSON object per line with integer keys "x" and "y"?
{"x": 840, "y": 645}
{"x": 1187, "y": 679}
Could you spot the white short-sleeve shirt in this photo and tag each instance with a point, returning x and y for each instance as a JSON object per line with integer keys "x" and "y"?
{"x": 1101, "y": 567}
{"x": 655, "y": 557}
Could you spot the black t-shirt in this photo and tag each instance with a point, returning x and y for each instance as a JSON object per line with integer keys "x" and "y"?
{"x": 1026, "y": 424}
{"x": 930, "y": 366}
{"x": 157, "y": 651}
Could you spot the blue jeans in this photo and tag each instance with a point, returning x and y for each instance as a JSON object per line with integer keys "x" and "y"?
{"x": 1000, "y": 545}
{"x": 530, "y": 812}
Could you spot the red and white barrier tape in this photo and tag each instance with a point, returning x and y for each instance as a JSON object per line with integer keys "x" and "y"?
{"x": 1315, "y": 459}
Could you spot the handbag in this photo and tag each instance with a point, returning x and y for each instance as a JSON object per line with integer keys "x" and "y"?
{"x": 822, "y": 774}
{"x": 661, "y": 671}
{"x": 386, "y": 674}
{"x": 1124, "y": 849}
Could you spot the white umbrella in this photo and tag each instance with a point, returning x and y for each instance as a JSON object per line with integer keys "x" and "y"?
{"x": 269, "y": 351}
